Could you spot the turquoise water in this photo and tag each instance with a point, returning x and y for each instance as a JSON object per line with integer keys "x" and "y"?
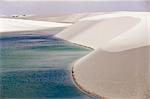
{"x": 38, "y": 66}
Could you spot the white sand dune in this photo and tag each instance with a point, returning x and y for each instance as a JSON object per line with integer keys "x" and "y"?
{"x": 65, "y": 18}
{"x": 14, "y": 25}
{"x": 119, "y": 67}
{"x": 61, "y": 18}
{"x": 118, "y": 75}
{"x": 96, "y": 31}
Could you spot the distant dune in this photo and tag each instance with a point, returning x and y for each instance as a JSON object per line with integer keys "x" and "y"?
{"x": 14, "y": 25}
{"x": 119, "y": 67}
{"x": 63, "y": 18}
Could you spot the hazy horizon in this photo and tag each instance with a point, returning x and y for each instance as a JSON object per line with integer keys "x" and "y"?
{"x": 58, "y": 7}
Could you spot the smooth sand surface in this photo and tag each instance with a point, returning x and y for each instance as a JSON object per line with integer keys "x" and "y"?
{"x": 119, "y": 67}
{"x": 118, "y": 75}
{"x": 96, "y": 31}
{"x": 14, "y": 25}
{"x": 62, "y": 18}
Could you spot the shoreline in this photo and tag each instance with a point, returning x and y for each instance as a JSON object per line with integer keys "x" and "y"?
{"x": 83, "y": 46}
{"x": 87, "y": 92}
{"x": 77, "y": 85}
{"x": 74, "y": 81}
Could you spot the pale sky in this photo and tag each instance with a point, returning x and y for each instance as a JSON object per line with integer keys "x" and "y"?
{"x": 33, "y": 7}
{"x": 75, "y": 0}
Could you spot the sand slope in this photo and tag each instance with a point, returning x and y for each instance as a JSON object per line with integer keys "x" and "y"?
{"x": 62, "y": 18}
{"x": 115, "y": 75}
{"x": 13, "y": 25}
{"x": 119, "y": 67}
{"x": 96, "y": 31}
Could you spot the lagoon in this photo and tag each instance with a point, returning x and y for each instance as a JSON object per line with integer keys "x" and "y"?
{"x": 35, "y": 65}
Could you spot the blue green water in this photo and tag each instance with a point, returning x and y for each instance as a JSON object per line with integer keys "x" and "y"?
{"x": 38, "y": 66}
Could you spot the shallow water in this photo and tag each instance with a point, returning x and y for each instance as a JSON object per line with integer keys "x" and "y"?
{"x": 38, "y": 66}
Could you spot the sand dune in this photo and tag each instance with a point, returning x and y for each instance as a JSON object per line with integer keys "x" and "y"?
{"x": 119, "y": 67}
{"x": 115, "y": 75}
{"x": 13, "y": 25}
{"x": 65, "y": 18}
{"x": 96, "y": 31}
{"x": 62, "y": 18}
